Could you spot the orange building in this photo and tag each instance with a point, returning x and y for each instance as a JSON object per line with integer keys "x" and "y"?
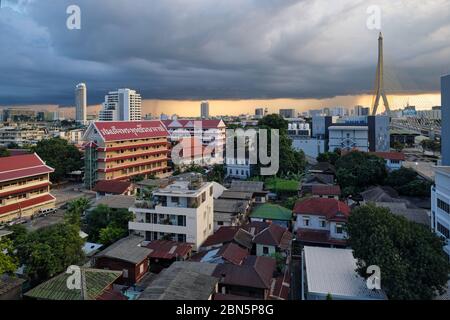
{"x": 123, "y": 150}
{"x": 24, "y": 187}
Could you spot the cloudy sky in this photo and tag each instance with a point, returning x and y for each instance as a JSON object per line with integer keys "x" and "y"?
{"x": 219, "y": 49}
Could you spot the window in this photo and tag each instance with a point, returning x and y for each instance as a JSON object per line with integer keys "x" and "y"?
{"x": 176, "y": 200}
{"x": 339, "y": 229}
{"x": 306, "y": 221}
{"x": 211, "y": 191}
{"x": 181, "y": 221}
{"x": 265, "y": 250}
{"x": 141, "y": 269}
{"x": 322, "y": 223}
{"x": 220, "y": 223}
{"x": 443, "y": 230}
{"x": 443, "y": 205}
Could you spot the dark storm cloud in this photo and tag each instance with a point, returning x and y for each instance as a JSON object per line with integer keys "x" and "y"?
{"x": 218, "y": 48}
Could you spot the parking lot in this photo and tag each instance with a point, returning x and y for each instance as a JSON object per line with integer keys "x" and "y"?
{"x": 69, "y": 193}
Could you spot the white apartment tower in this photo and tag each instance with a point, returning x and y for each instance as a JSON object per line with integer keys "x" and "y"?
{"x": 81, "y": 103}
{"x": 204, "y": 106}
{"x": 122, "y": 105}
{"x": 440, "y": 205}
{"x": 182, "y": 211}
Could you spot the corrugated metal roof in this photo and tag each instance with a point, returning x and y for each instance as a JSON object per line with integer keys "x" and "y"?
{"x": 181, "y": 281}
{"x": 97, "y": 281}
{"x": 333, "y": 271}
{"x": 127, "y": 249}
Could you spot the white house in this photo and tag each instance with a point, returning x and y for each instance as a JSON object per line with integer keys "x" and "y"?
{"x": 440, "y": 205}
{"x": 181, "y": 211}
{"x": 321, "y": 221}
{"x": 238, "y": 168}
{"x": 393, "y": 160}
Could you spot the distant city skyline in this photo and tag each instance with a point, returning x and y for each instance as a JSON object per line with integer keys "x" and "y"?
{"x": 190, "y": 108}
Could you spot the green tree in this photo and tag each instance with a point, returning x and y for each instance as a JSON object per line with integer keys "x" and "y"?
{"x": 8, "y": 260}
{"x": 49, "y": 251}
{"x": 13, "y": 145}
{"x": 358, "y": 170}
{"x": 330, "y": 157}
{"x": 416, "y": 188}
{"x": 4, "y": 152}
{"x": 406, "y": 181}
{"x": 111, "y": 234}
{"x": 281, "y": 261}
{"x": 412, "y": 262}
{"x": 431, "y": 145}
{"x": 398, "y": 146}
{"x": 102, "y": 217}
{"x": 291, "y": 161}
{"x": 217, "y": 173}
{"x": 290, "y": 202}
{"x": 60, "y": 155}
{"x": 75, "y": 209}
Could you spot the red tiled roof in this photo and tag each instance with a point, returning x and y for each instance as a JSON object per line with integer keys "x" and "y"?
{"x": 221, "y": 236}
{"x": 332, "y": 209}
{"x": 281, "y": 286}
{"x": 25, "y": 204}
{"x": 164, "y": 249}
{"x": 233, "y": 253}
{"x": 255, "y": 272}
{"x": 112, "y": 186}
{"x": 323, "y": 190}
{"x": 22, "y": 166}
{"x": 179, "y": 124}
{"x": 390, "y": 155}
{"x": 318, "y": 237}
{"x": 274, "y": 235}
{"x": 130, "y": 130}
{"x": 112, "y": 295}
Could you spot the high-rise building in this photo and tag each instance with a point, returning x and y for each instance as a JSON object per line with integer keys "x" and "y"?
{"x": 204, "y": 106}
{"x": 361, "y": 111}
{"x": 445, "y": 114}
{"x": 81, "y": 103}
{"x": 288, "y": 113}
{"x": 259, "y": 112}
{"x": 122, "y": 105}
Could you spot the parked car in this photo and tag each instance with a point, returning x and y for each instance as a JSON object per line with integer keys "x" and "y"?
{"x": 17, "y": 221}
{"x": 45, "y": 212}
